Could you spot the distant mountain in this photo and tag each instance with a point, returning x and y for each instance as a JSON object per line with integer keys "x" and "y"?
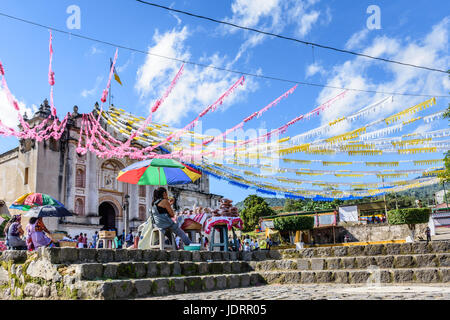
{"x": 272, "y": 202}
{"x": 425, "y": 194}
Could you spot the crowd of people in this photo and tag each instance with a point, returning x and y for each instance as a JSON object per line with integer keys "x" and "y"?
{"x": 244, "y": 244}
{"x": 376, "y": 219}
{"x": 37, "y": 235}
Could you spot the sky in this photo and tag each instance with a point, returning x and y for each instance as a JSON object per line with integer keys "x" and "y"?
{"x": 414, "y": 32}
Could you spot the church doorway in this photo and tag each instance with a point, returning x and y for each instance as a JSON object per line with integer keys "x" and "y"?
{"x": 107, "y": 215}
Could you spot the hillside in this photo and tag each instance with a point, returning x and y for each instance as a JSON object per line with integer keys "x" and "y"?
{"x": 404, "y": 199}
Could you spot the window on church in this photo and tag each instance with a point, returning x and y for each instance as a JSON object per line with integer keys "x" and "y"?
{"x": 25, "y": 177}
{"x": 54, "y": 145}
{"x": 80, "y": 179}
{"x": 142, "y": 191}
{"x": 79, "y": 207}
{"x": 142, "y": 213}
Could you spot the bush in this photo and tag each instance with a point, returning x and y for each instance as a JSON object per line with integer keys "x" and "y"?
{"x": 254, "y": 209}
{"x": 294, "y": 223}
{"x": 409, "y": 216}
{"x": 3, "y": 225}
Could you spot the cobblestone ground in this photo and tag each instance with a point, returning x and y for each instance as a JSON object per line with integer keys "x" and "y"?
{"x": 320, "y": 292}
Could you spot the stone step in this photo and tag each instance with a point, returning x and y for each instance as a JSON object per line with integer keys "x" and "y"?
{"x": 359, "y": 262}
{"x": 76, "y": 256}
{"x": 369, "y": 250}
{"x": 134, "y": 288}
{"x": 419, "y": 275}
{"x": 137, "y": 270}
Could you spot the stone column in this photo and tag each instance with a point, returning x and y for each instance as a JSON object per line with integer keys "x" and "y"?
{"x": 92, "y": 183}
{"x": 69, "y": 201}
{"x": 134, "y": 201}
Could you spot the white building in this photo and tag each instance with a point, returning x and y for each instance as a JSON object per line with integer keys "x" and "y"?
{"x": 85, "y": 184}
{"x": 440, "y": 198}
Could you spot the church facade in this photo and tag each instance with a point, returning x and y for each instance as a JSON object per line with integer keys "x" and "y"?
{"x": 85, "y": 184}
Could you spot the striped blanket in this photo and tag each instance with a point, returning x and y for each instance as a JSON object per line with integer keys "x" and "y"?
{"x": 229, "y": 221}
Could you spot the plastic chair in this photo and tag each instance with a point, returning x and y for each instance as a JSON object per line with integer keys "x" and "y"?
{"x": 110, "y": 243}
{"x": 159, "y": 234}
{"x": 223, "y": 231}
{"x": 193, "y": 230}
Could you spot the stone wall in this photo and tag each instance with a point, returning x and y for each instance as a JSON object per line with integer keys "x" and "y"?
{"x": 379, "y": 232}
{"x": 12, "y": 174}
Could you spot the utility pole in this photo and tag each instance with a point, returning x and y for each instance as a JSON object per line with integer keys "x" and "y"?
{"x": 445, "y": 195}
{"x": 396, "y": 204}
{"x": 126, "y": 205}
{"x": 384, "y": 197}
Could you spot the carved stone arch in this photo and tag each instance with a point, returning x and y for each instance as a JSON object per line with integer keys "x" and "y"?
{"x": 116, "y": 204}
{"x": 108, "y": 172}
{"x": 112, "y": 164}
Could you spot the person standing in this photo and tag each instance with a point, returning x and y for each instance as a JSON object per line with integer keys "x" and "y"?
{"x": 80, "y": 241}
{"x": 136, "y": 240}
{"x": 85, "y": 241}
{"x": 428, "y": 234}
{"x": 268, "y": 243}
{"x": 95, "y": 238}
{"x": 129, "y": 238}
{"x": 118, "y": 242}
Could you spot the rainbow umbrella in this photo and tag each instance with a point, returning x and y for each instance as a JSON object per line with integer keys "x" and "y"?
{"x": 31, "y": 200}
{"x": 157, "y": 172}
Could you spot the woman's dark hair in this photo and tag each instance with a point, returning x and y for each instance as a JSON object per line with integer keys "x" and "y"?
{"x": 158, "y": 194}
{"x": 33, "y": 220}
{"x": 8, "y": 224}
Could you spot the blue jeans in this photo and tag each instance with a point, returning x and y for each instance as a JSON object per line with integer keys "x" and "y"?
{"x": 164, "y": 222}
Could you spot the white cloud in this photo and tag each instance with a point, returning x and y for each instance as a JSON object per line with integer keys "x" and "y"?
{"x": 272, "y": 16}
{"x": 125, "y": 66}
{"x": 431, "y": 51}
{"x": 307, "y": 21}
{"x": 327, "y": 17}
{"x": 94, "y": 50}
{"x": 196, "y": 89}
{"x": 176, "y": 17}
{"x": 249, "y": 13}
{"x": 9, "y": 114}
{"x": 89, "y": 92}
{"x": 314, "y": 69}
{"x": 356, "y": 39}
{"x": 423, "y": 128}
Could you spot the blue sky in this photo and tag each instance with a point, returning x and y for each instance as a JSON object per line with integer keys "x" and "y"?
{"x": 416, "y": 32}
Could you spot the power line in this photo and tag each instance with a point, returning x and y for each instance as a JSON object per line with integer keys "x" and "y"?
{"x": 290, "y": 38}
{"x": 215, "y": 67}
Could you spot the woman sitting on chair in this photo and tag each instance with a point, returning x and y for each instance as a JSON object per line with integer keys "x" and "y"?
{"x": 163, "y": 212}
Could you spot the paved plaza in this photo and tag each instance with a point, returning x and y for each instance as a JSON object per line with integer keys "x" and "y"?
{"x": 320, "y": 292}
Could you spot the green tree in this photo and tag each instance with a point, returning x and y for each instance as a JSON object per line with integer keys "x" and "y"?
{"x": 445, "y": 176}
{"x": 409, "y": 216}
{"x": 293, "y": 224}
{"x": 293, "y": 205}
{"x": 254, "y": 208}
